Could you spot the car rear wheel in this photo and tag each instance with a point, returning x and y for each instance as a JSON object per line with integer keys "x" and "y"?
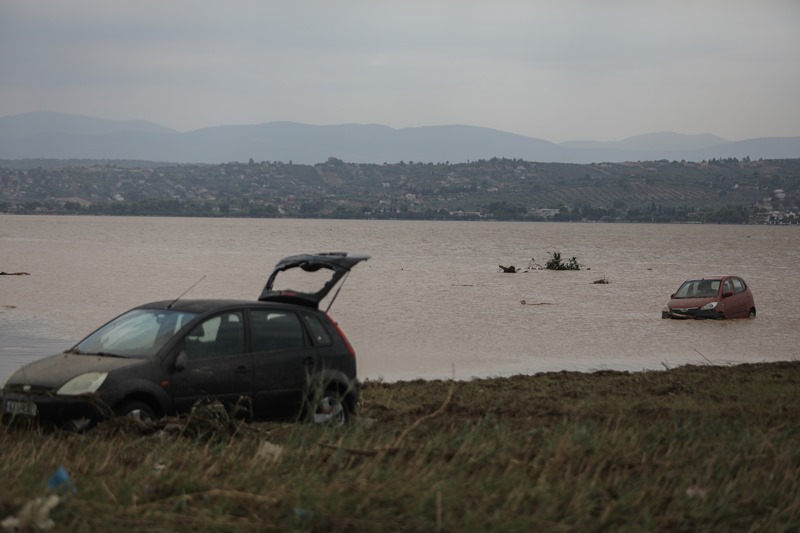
{"x": 331, "y": 409}
{"x": 138, "y": 410}
{"x": 752, "y": 313}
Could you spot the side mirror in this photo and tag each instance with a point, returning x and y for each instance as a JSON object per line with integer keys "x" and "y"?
{"x": 181, "y": 361}
{"x": 726, "y": 294}
{"x": 671, "y": 296}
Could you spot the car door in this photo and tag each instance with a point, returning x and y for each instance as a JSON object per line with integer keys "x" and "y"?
{"x": 283, "y": 360}
{"x": 737, "y": 302}
{"x": 733, "y": 302}
{"x": 214, "y": 362}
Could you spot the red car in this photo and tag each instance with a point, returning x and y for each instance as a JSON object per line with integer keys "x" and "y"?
{"x": 712, "y": 297}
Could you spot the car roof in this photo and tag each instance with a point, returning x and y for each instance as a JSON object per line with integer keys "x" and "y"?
{"x": 338, "y": 263}
{"x": 201, "y": 306}
{"x": 713, "y": 277}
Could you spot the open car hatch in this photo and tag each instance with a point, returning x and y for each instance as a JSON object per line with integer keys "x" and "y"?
{"x": 325, "y": 269}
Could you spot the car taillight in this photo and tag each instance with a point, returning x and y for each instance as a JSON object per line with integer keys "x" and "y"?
{"x": 342, "y": 336}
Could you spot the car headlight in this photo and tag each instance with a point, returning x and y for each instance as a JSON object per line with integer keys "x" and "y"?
{"x": 709, "y": 306}
{"x": 83, "y": 384}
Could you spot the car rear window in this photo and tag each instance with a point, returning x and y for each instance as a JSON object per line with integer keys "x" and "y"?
{"x": 318, "y": 331}
{"x": 738, "y": 285}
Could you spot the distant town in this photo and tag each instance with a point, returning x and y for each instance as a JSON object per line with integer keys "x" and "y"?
{"x": 714, "y": 191}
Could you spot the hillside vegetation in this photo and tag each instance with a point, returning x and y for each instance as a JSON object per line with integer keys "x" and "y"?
{"x": 729, "y": 190}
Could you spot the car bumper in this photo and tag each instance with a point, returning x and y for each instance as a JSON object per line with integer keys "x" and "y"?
{"x": 52, "y": 408}
{"x": 689, "y": 313}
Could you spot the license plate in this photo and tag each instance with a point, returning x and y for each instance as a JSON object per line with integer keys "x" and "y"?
{"x": 20, "y": 408}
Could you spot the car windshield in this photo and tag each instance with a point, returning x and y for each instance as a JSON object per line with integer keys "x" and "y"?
{"x": 698, "y": 288}
{"x": 137, "y": 333}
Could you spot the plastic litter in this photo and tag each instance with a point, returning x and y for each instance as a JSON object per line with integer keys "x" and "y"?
{"x": 35, "y": 513}
{"x": 270, "y": 452}
{"x": 694, "y": 491}
{"x": 60, "y": 480}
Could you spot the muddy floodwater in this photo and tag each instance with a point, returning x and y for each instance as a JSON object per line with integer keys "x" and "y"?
{"x": 432, "y": 301}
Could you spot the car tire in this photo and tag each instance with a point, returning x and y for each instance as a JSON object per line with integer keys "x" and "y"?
{"x": 138, "y": 410}
{"x": 331, "y": 409}
{"x": 752, "y": 313}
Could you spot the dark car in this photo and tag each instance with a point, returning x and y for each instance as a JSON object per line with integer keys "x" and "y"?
{"x": 712, "y": 297}
{"x": 280, "y": 357}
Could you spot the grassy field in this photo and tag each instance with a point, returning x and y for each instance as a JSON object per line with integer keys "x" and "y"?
{"x": 711, "y": 448}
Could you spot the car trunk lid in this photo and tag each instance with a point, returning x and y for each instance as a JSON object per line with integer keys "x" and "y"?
{"x": 325, "y": 269}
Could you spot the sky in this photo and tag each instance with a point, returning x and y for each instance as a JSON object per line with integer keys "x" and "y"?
{"x": 557, "y": 70}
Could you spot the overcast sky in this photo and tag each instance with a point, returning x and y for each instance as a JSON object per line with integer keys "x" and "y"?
{"x": 554, "y": 69}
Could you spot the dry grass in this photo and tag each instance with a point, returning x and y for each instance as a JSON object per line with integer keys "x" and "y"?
{"x": 692, "y": 448}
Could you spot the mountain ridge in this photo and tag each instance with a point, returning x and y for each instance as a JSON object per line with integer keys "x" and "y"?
{"x": 50, "y": 135}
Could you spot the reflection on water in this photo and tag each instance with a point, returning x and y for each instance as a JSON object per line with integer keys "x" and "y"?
{"x": 432, "y": 300}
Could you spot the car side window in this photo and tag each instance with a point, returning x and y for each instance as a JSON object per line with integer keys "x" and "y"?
{"x": 319, "y": 334}
{"x": 738, "y": 285}
{"x": 276, "y": 330}
{"x": 727, "y": 287}
{"x": 219, "y": 336}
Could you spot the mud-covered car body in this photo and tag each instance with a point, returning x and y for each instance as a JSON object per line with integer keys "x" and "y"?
{"x": 278, "y": 357}
{"x": 711, "y": 297}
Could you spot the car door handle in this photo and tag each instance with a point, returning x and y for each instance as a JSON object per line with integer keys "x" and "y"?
{"x": 308, "y": 361}
{"x": 241, "y": 369}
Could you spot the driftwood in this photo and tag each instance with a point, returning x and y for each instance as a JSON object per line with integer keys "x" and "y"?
{"x": 509, "y": 270}
{"x": 14, "y": 274}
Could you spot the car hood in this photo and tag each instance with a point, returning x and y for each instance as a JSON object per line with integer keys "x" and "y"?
{"x": 339, "y": 264}
{"x": 54, "y": 371}
{"x": 689, "y": 303}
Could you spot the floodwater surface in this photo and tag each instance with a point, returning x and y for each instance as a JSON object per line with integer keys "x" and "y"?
{"x": 431, "y": 302}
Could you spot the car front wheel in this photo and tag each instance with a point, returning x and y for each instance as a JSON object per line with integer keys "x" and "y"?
{"x": 752, "y": 313}
{"x": 138, "y": 410}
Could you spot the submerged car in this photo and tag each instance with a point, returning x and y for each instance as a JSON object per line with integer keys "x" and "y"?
{"x": 711, "y": 297}
{"x": 280, "y": 356}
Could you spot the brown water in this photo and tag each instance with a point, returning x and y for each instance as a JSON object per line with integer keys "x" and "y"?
{"x": 431, "y": 302}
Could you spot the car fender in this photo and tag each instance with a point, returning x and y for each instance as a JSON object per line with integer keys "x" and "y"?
{"x": 323, "y": 379}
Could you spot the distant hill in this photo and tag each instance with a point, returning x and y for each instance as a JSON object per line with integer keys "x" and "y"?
{"x": 47, "y": 135}
{"x": 29, "y": 125}
{"x": 653, "y": 142}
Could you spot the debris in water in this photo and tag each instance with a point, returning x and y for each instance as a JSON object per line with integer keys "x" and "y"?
{"x": 556, "y": 263}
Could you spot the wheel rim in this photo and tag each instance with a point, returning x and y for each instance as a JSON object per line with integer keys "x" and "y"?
{"x": 330, "y": 410}
{"x": 140, "y": 414}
